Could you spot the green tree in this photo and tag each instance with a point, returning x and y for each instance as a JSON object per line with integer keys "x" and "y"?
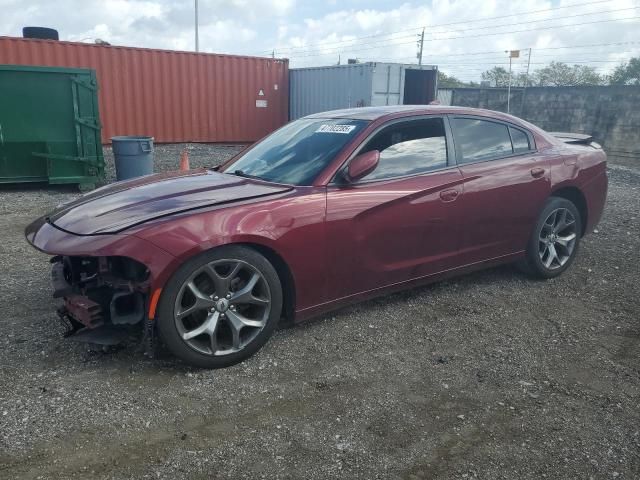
{"x": 499, "y": 77}
{"x": 626, "y": 73}
{"x": 559, "y": 74}
{"x": 449, "y": 81}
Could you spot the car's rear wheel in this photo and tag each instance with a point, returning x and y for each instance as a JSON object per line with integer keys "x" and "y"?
{"x": 220, "y": 307}
{"x": 555, "y": 239}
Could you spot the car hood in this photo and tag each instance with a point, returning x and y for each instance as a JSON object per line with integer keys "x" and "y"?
{"x": 119, "y": 206}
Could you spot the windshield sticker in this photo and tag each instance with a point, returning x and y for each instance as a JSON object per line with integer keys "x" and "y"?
{"x": 335, "y": 129}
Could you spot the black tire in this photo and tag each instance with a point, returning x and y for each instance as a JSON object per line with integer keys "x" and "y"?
{"x": 532, "y": 264}
{"x": 167, "y": 325}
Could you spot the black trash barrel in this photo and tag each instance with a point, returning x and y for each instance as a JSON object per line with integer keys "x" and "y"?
{"x": 133, "y": 156}
{"x": 42, "y": 33}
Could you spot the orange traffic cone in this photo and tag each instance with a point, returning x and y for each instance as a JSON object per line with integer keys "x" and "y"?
{"x": 184, "y": 160}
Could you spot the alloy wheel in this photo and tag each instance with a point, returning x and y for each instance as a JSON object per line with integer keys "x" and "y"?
{"x": 557, "y": 239}
{"x": 222, "y": 307}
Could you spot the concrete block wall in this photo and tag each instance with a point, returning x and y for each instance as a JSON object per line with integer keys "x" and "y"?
{"x": 610, "y": 113}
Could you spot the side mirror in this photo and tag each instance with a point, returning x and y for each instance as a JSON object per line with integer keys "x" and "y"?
{"x": 363, "y": 165}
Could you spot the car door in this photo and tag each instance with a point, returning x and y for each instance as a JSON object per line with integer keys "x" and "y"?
{"x": 506, "y": 182}
{"x": 401, "y": 221}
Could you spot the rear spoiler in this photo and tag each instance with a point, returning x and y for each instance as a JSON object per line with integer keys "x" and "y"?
{"x": 574, "y": 138}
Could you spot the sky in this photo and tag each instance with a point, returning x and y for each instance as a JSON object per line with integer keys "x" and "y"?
{"x": 462, "y": 37}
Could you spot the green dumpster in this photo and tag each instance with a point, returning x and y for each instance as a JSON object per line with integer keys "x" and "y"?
{"x": 49, "y": 126}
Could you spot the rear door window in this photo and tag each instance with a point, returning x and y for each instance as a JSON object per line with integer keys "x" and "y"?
{"x": 520, "y": 140}
{"x": 478, "y": 140}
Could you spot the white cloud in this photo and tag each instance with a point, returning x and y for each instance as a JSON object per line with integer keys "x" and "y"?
{"x": 449, "y": 43}
{"x": 315, "y": 33}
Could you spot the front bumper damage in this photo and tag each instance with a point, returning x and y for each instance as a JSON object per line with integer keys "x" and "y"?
{"x": 105, "y": 282}
{"x": 100, "y": 293}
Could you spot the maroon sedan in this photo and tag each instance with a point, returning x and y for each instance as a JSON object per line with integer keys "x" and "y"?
{"x": 328, "y": 210}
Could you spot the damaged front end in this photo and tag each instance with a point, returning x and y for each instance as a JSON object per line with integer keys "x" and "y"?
{"x": 104, "y": 281}
{"x": 103, "y": 297}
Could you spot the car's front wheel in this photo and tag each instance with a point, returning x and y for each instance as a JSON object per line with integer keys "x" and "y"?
{"x": 555, "y": 239}
{"x": 220, "y": 307}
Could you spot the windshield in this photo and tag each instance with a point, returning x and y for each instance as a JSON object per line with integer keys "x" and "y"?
{"x": 298, "y": 152}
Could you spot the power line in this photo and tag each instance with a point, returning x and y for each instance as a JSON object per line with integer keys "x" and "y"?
{"x": 533, "y": 29}
{"x": 444, "y": 58}
{"x": 439, "y": 25}
{"x": 538, "y": 21}
{"x": 501, "y": 61}
{"x": 537, "y": 49}
{"x": 375, "y": 44}
{"x": 354, "y": 50}
{"x": 480, "y": 67}
{"x": 587, "y": 46}
{"x": 471, "y": 36}
{"x": 576, "y": 62}
{"x": 384, "y": 42}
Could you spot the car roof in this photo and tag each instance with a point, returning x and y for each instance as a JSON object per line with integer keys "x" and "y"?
{"x": 391, "y": 112}
{"x": 374, "y": 113}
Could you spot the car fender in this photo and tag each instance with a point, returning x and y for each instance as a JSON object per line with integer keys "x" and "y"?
{"x": 292, "y": 227}
{"x": 53, "y": 241}
{"x": 195, "y": 249}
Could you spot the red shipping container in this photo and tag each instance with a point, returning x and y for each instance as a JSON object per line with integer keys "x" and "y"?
{"x": 170, "y": 95}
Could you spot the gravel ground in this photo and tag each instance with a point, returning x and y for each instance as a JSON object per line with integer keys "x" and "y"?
{"x": 491, "y": 375}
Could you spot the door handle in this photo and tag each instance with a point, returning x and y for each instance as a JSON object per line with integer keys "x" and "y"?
{"x": 449, "y": 195}
{"x": 537, "y": 172}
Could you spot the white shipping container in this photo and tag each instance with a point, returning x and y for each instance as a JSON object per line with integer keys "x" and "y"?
{"x": 445, "y": 96}
{"x": 319, "y": 89}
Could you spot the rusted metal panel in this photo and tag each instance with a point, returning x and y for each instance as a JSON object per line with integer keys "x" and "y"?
{"x": 170, "y": 95}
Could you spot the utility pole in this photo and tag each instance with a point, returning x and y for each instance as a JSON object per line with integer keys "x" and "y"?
{"x": 420, "y": 44}
{"x": 512, "y": 54}
{"x": 526, "y": 78}
{"x": 526, "y": 83}
{"x": 509, "y": 87}
{"x": 273, "y": 53}
{"x": 196, "y": 22}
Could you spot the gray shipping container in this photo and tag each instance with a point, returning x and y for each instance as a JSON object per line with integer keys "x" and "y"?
{"x": 318, "y": 89}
